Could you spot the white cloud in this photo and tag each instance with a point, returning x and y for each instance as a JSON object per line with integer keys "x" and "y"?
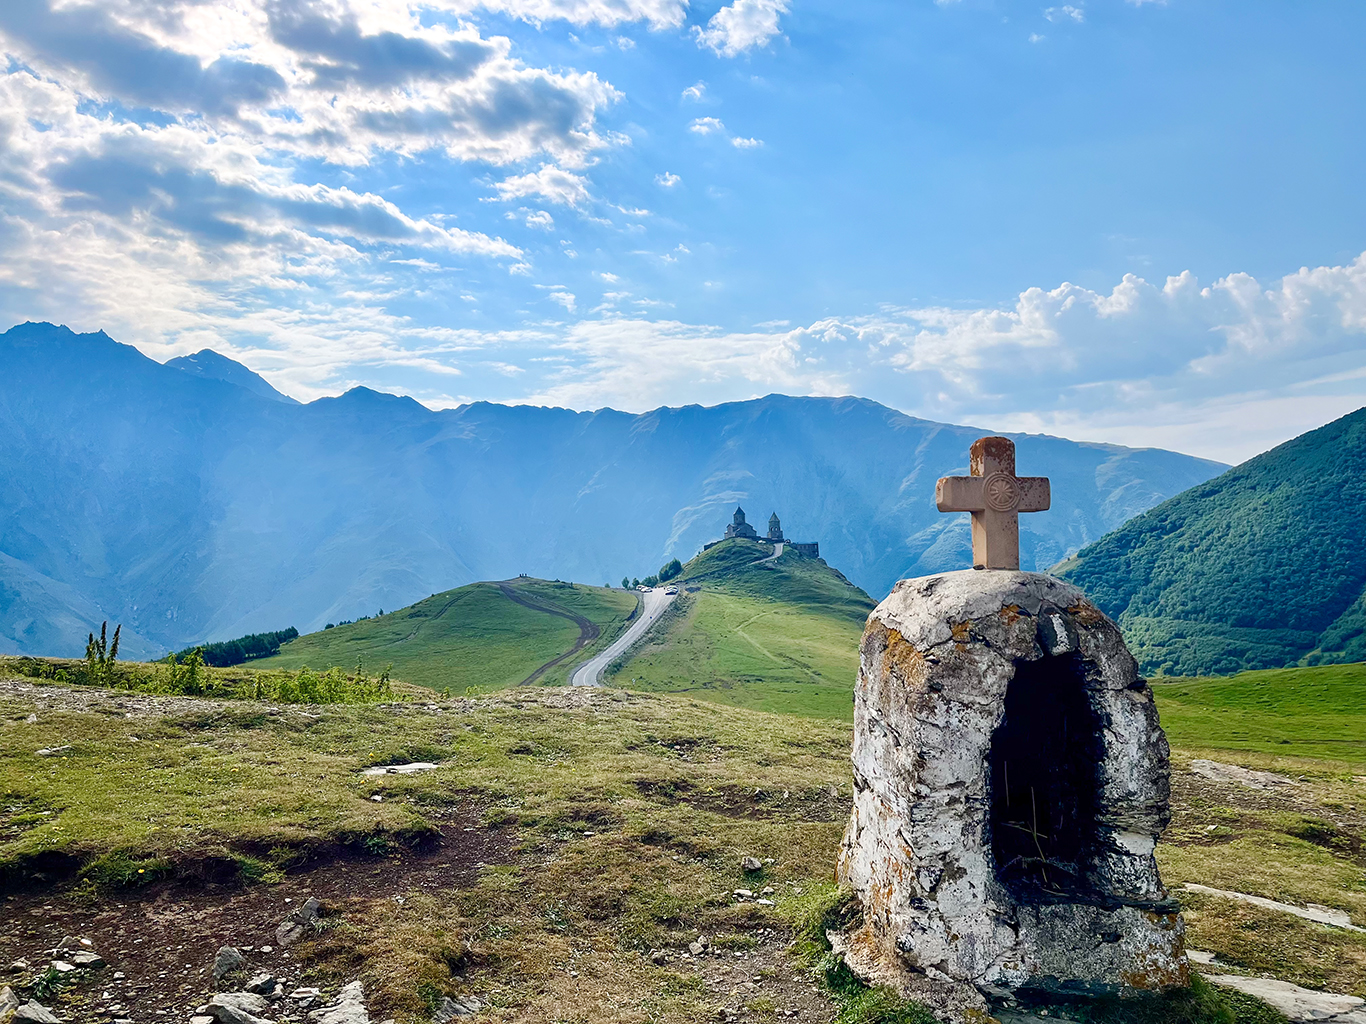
{"x": 667, "y": 179}
{"x": 660, "y": 14}
{"x": 1065, "y": 13}
{"x": 565, "y": 299}
{"x": 741, "y": 26}
{"x": 550, "y": 183}
{"x": 540, "y": 219}
{"x": 1223, "y": 370}
{"x": 714, "y": 126}
{"x": 1035, "y": 37}
{"x": 695, "y": 92}
{"x": 707, "y": 126}
{"x": 609, "y": 278}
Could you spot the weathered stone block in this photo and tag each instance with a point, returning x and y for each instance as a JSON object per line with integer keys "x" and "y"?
{"x": 1011, "y": 781}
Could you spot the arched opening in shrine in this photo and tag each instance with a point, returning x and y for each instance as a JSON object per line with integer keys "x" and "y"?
{"x": 1045, "y": 765}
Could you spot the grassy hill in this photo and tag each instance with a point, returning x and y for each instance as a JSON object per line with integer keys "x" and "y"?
{"x": 774, "y": 636}
{"x": 484, "y": 635}
{"x": 1316, "y": 712}
{"x": 1261, "y": 567}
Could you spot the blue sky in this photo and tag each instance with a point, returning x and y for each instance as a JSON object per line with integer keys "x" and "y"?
{"x": 1120, "y": 221}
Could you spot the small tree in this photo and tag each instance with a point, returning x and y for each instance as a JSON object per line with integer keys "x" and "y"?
{"x": 626, "y": 583}
{"x": 100, "y": 655}
{"x": 635, "y": 582}
{"x": 670, "y": 570}
{"x": 651, "y": 581}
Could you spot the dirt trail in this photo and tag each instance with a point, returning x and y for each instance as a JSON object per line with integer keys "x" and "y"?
{"x": 588, "y": 629}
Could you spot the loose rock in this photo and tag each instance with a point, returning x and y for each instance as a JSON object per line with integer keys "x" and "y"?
{"x": 752, "y": 864}
{"x": 237, "y": 1008}
{"x": 227, "y": 960}
{"x": 8, "y": 1000}
{"x": 293, "y": 928}
{"x": 34, "y": 1013}
{"x": 348, "y": 1009}
{"x": 457, "y": 1006}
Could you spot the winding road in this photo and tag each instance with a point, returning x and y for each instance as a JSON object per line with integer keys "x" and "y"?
{"x": 653, "y": 605}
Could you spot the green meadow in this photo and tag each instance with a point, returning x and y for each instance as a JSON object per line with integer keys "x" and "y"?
{"x": 474, "y": 636}
{"x": 773, "y": 636}
{"x": 1310, "y": 712}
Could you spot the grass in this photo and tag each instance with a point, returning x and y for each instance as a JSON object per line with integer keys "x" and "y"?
{"x": 628, "y": 814}
{"x": 1314, "y": 712}
{"x": 472, "y": 637}
{"x": 750, "y": 652}
{"x": 631, "y": 814}
{"x": 781, "y": 636}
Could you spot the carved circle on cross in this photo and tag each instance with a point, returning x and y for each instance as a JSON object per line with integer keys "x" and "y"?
{"x": 1002, "y": 492}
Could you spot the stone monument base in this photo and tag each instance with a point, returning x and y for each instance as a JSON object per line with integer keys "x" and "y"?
{"x": 1011, "y": 781}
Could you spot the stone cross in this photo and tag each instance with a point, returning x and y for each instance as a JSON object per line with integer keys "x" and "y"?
{"x": 995, "y": 496}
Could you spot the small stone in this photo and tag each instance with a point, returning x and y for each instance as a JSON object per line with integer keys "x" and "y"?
{"x": 457, "y": 1006}
{"x": 299, "y": 922}
{"x": 18, "y": 967}
{"x": 698, "y": 946}
{"x": 61, "y": 967}
{"x": 658, "y": 956}
{"x": 766, "y": 891}
{"x": 32, "y": 719}
{"x": 8, "y": 1000}
{"x": 227, "y": 960}
{"x": 752, "y": 864}
{"x": 744, "y": 894}
{"x": 764, "y": 903}
{"x": 262, "y": 984}
{"x": 237, "y": 1008}
{"x": 51, "y": 752}
{"x": 348, "y": 1009}
{"x": 200, "y": 1019}
{"x": 87, "y": 960}
{"x": 34, "y": 1013}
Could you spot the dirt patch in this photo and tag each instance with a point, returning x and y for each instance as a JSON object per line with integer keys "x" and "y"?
{"x": 163, "y": 938}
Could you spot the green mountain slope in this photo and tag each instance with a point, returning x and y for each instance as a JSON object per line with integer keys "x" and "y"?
{"x": 1260, "y": 567}
{"x": 774, "y": 636}
{"x": 485, "y": 635}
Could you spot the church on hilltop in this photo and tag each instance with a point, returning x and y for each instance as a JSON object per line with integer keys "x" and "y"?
{"x": 740, "y": 528}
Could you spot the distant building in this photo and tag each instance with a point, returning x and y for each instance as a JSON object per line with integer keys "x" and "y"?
{"x": 739, "y": 528}
{"x": 775, "y": 529}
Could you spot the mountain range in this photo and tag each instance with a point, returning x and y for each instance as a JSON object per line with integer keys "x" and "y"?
{"x": 191, "y": 501}
{"x": 1260, "y": 567}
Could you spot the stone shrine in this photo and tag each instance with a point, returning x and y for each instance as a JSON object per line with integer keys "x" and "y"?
{"x": 1011, "y": 782}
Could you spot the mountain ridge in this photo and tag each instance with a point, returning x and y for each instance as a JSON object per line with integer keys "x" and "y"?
{"x": 192, "y": 509}
{"x": 1260, "y": 567}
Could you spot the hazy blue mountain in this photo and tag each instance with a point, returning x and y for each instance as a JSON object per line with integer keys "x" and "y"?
{"x": 208, "y": 363}
{"x": 190, "y": 508}
{"x": 1260, "y": 567}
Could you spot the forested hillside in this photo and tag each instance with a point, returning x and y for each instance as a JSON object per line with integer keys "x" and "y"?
{"x": 1261, "y": 567}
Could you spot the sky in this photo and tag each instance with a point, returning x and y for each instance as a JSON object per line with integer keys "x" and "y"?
{"x": 1132, "y": 221}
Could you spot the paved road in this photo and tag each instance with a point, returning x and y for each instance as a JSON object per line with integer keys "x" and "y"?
{"x": 777, "y": 551}
{"x": 590, "y": 672}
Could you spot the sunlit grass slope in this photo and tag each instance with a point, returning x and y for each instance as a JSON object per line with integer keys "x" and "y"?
{"x": 472, "y": 636}
{"x": 778, "y": 636}
{"x": 1316, "y": 712}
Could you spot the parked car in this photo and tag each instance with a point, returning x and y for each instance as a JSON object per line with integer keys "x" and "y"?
{"x": 671, "y": 591}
